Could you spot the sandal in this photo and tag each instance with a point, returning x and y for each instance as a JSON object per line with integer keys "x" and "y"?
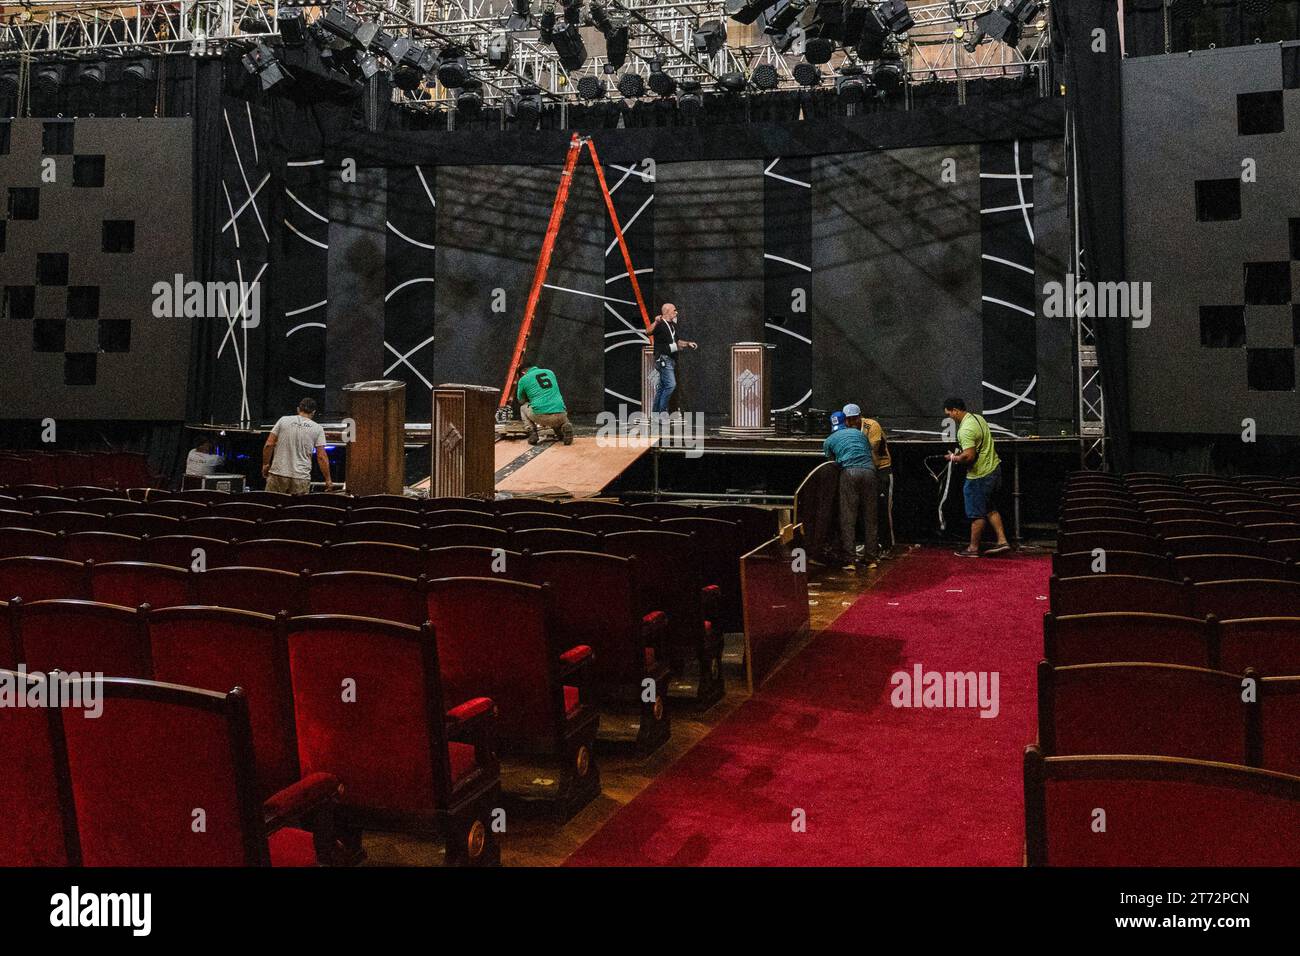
{"x": 967, "y": 553}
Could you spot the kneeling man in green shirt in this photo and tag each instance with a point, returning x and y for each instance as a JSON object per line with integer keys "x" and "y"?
{"x": 541, "y": 405}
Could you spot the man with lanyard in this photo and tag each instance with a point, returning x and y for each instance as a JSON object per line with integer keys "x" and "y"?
{"x": 983, "y": 476}
{"x": 666, "y": 343}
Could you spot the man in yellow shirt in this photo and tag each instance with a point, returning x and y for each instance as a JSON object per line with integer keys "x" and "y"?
{"x": 884, "y": 474}
{"x": 983, "y": 476}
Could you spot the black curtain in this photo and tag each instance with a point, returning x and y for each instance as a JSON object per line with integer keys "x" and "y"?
{"x": 1092, "y": 107}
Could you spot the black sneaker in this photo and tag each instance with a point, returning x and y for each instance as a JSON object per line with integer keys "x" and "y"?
{"x": 532, "y": 435}
{"x": 566, "y": 433}
{"x": 1002, "y": 548}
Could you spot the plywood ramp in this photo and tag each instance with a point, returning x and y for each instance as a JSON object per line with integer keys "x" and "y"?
{"x": 582, "y": 469}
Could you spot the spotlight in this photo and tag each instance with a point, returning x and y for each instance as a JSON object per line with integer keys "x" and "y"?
{"x": 691, "y": 100}
{"x": 139, "y": 72}
{"x": 261, "y": 62}
{"x": 591, "y": 87}
{"x": 745, "y": 11}
{"x": 519, "y": 14}
{"x": 631, "y": 86}
{"x": 661, "y": 84}
{"x": 732, "y": 82}
{"x": 792, "y": 40}
{"x": 343, "y": 24}
{"x": 616, "y": 41}
{"x": 292, "y": 26}
{"x": 470, "y": 99}
{"x": 819, "y": 50}
{"x": 407, "y": 78}
{"x": 887, "y": 75}
{"x": 90, "y": 74}
{"x": 49, "y": 78}
{"x": 765, "y": 77}
{"x": 500, "y": 50}
{"x": 526, "y": 105}
{"x": 546, "y": 26}
{"x": 453, "y": 68}
{"x": 851, "y": 83}
{"x": 710, "y": 37}
{"x": 1005, "y": 22}
{"x": 807, "y": 74}
{"x": 367, "y": 64}
{"x": 782, "y": 16}
{"x": 895, "y": 17}
{"x": 569, "y": 47}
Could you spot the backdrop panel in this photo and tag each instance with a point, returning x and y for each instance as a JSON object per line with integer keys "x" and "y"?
{"x": 97, "y": 212}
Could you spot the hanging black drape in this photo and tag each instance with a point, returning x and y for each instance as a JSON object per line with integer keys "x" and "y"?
{"x": 1092, "y": 104}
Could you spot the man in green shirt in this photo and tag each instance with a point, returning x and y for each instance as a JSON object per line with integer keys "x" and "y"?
{"x": 983, "y": 476}
{"x": 541, "y": 405}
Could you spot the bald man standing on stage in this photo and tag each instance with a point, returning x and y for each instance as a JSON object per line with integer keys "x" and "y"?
{"x": 664, "y": 335}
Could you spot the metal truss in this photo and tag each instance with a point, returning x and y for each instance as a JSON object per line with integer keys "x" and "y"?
{"x": 659, "y": 30}
{"x": 1091, "y": 400}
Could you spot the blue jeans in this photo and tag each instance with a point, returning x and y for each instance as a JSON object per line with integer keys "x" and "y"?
{"x": 667, "y": 382}
{"x": 980, "y": 494}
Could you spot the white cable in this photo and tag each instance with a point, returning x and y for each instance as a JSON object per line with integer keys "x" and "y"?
{"x": 947, "y": 483}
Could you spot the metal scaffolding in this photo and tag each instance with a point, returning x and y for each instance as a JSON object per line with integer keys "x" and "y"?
{"x": 937, "y": 47}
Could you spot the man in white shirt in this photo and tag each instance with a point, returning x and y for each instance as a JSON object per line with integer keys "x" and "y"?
{"x": 286, "y": 459}
{"x": 202, "y": 461}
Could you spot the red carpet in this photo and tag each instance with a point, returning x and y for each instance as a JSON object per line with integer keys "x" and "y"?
{"x": 879, "y": 785}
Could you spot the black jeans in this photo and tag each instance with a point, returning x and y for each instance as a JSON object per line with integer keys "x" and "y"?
{"x": 857, "y": 497}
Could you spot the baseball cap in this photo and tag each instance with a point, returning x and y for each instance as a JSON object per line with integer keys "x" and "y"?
{"x": 850, "y": 411}
{"x": 837, "y": 421}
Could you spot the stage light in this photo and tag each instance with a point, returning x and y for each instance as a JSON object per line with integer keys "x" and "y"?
{"x": 1256, "y": 8}
{"x": 569, "y": 46}
{"x": 691, "y": 100}
{"x": 782, "y": 16}
{"x": 661, "y": 84}
{"x": 519, "y": 16}
{"x": 526, "y": 105}
{"x": 139, "y": 72}
{"x": 616, "y": 41}
{"x": 746, "y": 11}
{"x": 631, "y": 86}
{"x": 732, "y": 82}
{"x": 819, "y": 50}
{"x": 367, "y": 64}
{"x": 261, "y": 62}
{"x": 851, "y": 83}
{"x": 573, "y": 13}
{"x": 765, "y": 77}
{"x": 887, "y": 74}
{"x": 710, "y": 37}
{"x": 90, "y": 74}
{"x": 599, "y": 18}
{"x": 49, "y": 78}
{"x": 500, "y": 50}
{"x": 407, "y": 78}
{"x": 9, "y": 82}
{"x": 792, "y": 40}
{"x": 292, "y": 26}
{"x": 1005, "y": 22}
{"x": 546, "y": 26}
{"x": 591, "y": 87}
{"x": 806, "y": 74}
{"x": 895, "y": 17}
{"x": 453, "y": 68}
{"x": 343, "y": 24}
{"x": 470, "y": 99}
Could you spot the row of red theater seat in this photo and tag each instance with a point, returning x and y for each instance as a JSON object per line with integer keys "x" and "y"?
{"x": 1172, "y": 752}
{"x": 354, "y": 700}
{"x": 340, "y": 694}
{"x": 113, "y": 469}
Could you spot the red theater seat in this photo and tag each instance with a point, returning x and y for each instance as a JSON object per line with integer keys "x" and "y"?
{"x": 107, "y": 506}
{"x": 226, "y": 529}
{"x": 555, "y": 539}
{"x": 33, "y": 795}
{"x": 412, "y": 755}
{"x": 472, "y": 562}
{"x": 1079, "y": 526}
{"x": 445, "y": 516}
{"x": 1159, "y": 811}
{"x": 70, "y": 522}
{"x": 386, "y": 532}
{"x": 388, "y": 501}
{"x": 326, "y": 513}
{"x": 83, "y": 636}
{"x": 265, "y": 590}
{"x": 208, "y": 647}
{"x": 1246, "y": 597}
{"x": 158, "y": 752}
{"x": 275, "y": 499}
{"x": 592, "y": 506}
{"x": 522, "y": 520}
{"x": 494, "y": 641}
{"x": 132, "y": 583}
{"x": 281, "y": 554}
{"x": 394, "y": 515}
{"x": 1215, "y": 544}
{"x": 1138, "y": 563}
{"x": 28, "y": 542}
{"x": 1122, "y": 636}
{"x": 1088, "y": 594}
{"x": 624, "y": 641}
{"x": 366, "y": 594}
{"x": 399, "y": 559}
{"x": 507, "y": 506}
{"x": 1222, "y": 567}
{"x": 295, "y": 529}
{"x": 472, "y": 535}
{"x": 446, "y": 502}
{"x": 1279, "y": 707}
{"x": 1068, "y": 542}
{"x": 1168, "y": 710}
{"x": 183, "y": 550}
{"x": 37, "y": 578}
{"x": 103, "y": 546}
{"x": 243, "y": 510}
{"x": 721, "y": 543}
{"x": 1270, "y": 645}
{"x": 141, "y": 524}
{"x": 613, "y": 523}
{"x": 760, "y": 524}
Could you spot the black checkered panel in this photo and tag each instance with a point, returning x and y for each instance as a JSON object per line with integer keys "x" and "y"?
{"x": 94, "y": 213}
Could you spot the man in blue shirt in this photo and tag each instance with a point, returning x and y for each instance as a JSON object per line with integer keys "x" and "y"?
{"x": 847, "y": 446}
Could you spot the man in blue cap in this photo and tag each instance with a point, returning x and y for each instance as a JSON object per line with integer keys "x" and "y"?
{"x": 850, "y": 449}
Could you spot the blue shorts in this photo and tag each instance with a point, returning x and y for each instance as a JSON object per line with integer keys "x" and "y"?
{"x": 980, "y": 494}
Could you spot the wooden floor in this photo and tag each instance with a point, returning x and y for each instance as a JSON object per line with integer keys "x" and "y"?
{"x": 623, "y": 776}
{"x": 582, "y": 469}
